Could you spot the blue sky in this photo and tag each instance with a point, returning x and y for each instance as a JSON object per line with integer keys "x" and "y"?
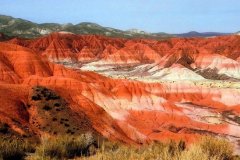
{"x": 172, "y": 16}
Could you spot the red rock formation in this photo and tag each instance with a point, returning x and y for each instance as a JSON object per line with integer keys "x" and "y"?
{"x": 121, "y": 109}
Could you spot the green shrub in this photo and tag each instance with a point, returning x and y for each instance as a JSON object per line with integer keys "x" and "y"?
{"x": 36, "y": 97}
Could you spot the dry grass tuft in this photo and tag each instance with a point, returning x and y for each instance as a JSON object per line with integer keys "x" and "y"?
{"x": 14, "y": 149}
{"x": 85, "y": 147}
{"x": 218, "y": 148}
{"x": 208, "y": 148}
{"x": 62, "y": 147}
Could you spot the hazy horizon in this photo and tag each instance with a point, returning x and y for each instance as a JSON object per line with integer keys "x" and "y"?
{"x": 170, "y": 16}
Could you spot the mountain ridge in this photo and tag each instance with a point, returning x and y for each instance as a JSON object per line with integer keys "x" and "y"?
{"x": 19, "y": 27}
{"x": 201, "y": 34}
{"x": 26, "y": 29}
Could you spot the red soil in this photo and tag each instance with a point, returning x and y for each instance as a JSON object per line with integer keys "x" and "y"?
{"x": 124, "y": 110}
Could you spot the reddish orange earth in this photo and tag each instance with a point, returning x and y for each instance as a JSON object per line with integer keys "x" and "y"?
{"x": 134, "y": 91}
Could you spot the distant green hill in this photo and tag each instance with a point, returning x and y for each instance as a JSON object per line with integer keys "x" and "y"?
{"x": 11, "y": 26}
{"x": 19, "y": 27}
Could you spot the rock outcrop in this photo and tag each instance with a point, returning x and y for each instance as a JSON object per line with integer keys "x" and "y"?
{"x": 133, "y": 91}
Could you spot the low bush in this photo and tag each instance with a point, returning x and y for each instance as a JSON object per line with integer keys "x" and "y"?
{"x": 62, "y": 147}
{"x": 208, "y": 148}
{"x": 13, "y": 149}
{"x": 85, "y": 147}
{"x": 218, "y": 148}
{"x": 3, "y": 128}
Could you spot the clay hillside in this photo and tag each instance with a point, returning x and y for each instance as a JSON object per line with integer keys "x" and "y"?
{"x": 128, "y": 90}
